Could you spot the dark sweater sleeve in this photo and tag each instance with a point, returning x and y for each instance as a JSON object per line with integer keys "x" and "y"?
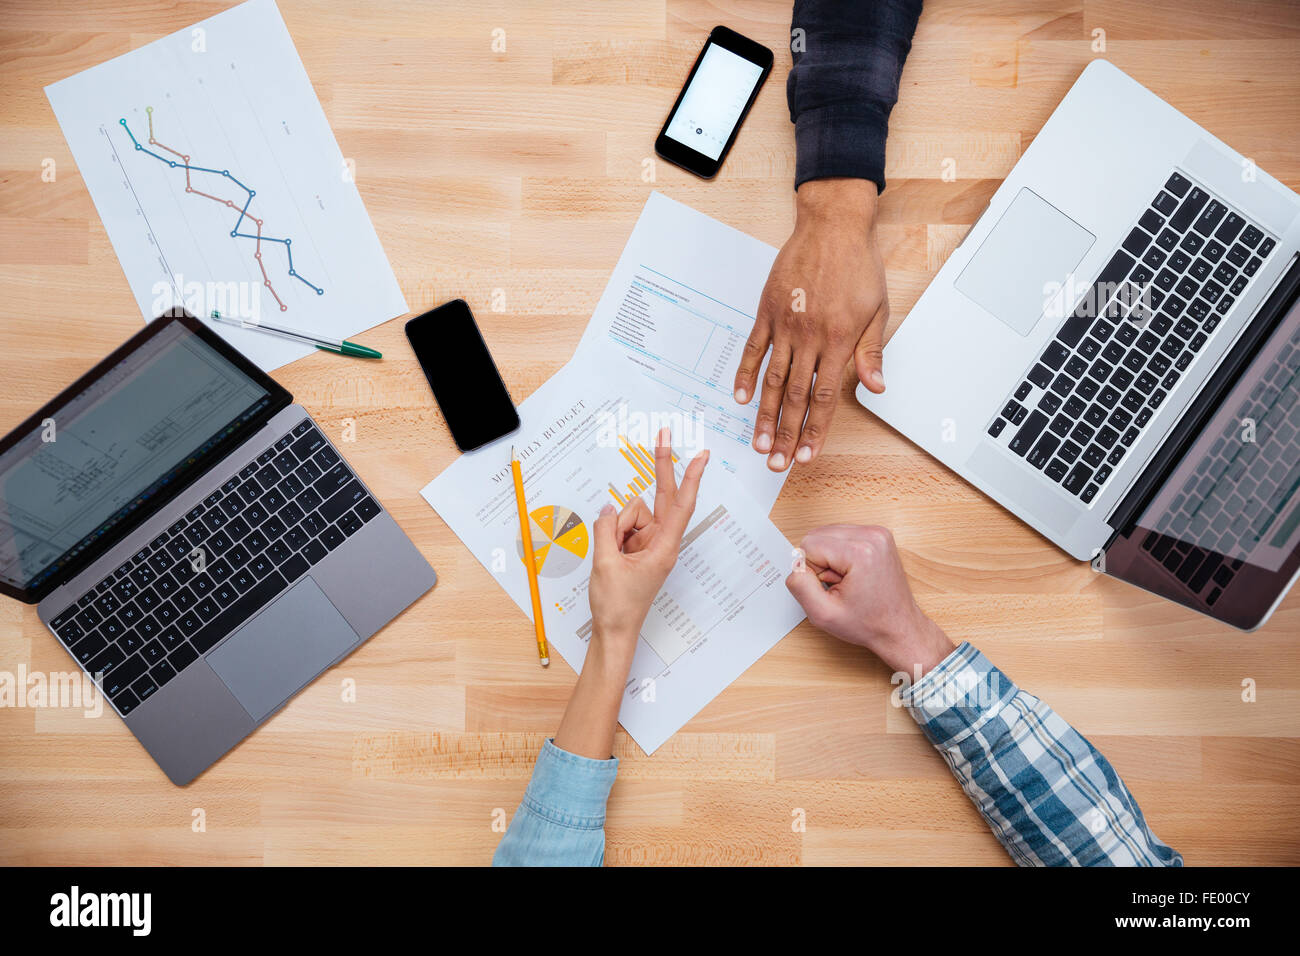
{"x": 848, "y": 56}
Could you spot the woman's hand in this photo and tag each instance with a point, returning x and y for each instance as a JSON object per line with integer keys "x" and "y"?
{"x": 635, "y": 550}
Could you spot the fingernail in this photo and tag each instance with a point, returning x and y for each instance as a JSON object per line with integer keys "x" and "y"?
{"x": 665, "y": 437}
{"x": 764, "y": 443}
{"x": 804, "y": 454}
{"x": 777, "y": 461}
{"x": 742, "y": 396}
{"x": 607, "y": 510}
{"x": 877, "y": 380}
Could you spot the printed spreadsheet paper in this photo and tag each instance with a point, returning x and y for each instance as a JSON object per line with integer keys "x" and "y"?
{"x": 221, "y": 185}
{"x": 725, "y": 603}
{"x": 676, "y": 313}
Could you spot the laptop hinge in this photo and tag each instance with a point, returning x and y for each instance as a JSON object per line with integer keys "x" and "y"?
{"x": 1211, "y": 396}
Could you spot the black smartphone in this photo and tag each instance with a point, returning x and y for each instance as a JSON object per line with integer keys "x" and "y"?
{"x": 464, "y": 379}
{"x": 723, "y": 85}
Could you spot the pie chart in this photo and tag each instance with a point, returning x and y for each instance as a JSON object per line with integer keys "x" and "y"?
{"x": 560, "y": 541}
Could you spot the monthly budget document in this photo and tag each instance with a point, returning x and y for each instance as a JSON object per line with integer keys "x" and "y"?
{"x": 675, "y": 314}
{"x": 587, "y": 440}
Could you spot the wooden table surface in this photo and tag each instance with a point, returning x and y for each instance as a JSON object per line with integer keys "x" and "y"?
{"x": 522, "y": 172}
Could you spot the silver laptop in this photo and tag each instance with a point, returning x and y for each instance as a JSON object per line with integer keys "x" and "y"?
{"x": 1112, "y": 351}
{"x": 195, "y": 541}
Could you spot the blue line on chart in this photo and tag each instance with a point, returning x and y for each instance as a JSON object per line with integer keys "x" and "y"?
{"x": 243, "y": 213}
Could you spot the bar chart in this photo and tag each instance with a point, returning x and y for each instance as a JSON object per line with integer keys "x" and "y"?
{"x": 642, "y": 464}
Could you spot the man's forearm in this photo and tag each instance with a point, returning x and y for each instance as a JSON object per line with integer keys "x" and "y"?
{"x": 848, "y": 58}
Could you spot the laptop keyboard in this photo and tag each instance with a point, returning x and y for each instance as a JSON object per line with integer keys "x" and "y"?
{"x": 1114, "y": 361}
{"x": 1240, "y": 489}
{"x": 209, "y": 572}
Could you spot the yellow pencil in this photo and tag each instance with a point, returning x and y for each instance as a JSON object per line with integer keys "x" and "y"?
{"x": 530, "y": 562}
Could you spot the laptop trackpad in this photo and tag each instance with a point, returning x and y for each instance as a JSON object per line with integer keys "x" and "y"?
{"x": 1031, "y": 250}
{"x": 277, "y": 653}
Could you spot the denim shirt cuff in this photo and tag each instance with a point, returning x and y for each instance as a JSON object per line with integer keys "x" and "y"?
{"x": 570, "y": 790}
{"x": 954, "y": 699}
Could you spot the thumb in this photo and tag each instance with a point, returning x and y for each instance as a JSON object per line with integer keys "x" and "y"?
{"x": 869, "y": 353}
{"x": 818, "y": 603}
{"x": 605, "y": 536}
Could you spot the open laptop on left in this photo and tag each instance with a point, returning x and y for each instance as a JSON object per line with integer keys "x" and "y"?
{"x": 195, "y": 541}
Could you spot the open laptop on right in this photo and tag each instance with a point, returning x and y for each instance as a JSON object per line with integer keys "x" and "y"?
{"x": 1113, "y": 353}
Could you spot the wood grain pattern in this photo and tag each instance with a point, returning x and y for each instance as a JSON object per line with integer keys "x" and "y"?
{"x": 521, "y": 172}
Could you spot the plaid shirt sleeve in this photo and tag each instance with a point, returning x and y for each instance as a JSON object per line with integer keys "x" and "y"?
{"x": 1048, "y": 795}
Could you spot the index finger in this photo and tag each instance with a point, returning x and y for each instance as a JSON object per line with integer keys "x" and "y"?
{"x": 751, "y": 356}
{"x": 769, "y": 403}
{"x": 632, "y": 519}
{"x": 826, "y": 549}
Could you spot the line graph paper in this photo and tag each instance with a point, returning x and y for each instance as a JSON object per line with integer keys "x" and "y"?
{"x": 221, "y": 185}
{"x": 183, "y": 162}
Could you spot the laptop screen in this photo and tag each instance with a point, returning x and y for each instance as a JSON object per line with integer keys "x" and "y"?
{"x": 121, "y": 439}
{"x": 1222, "y": 534}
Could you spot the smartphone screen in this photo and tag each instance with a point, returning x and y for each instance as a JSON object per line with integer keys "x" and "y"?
{"x": 464, "y": 379}
{"x": 714, "y": 100}
{"x": 719, "y": 92}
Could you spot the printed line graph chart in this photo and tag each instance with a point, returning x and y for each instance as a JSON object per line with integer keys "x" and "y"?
{"x": 183, "y": 162}
{"x": 221, "y": 185}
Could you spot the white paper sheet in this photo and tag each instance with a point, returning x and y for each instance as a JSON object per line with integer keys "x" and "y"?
{"x": 232, "y": 109}
{"x": 725, "y": 603}
{"x": 676, "y": 313}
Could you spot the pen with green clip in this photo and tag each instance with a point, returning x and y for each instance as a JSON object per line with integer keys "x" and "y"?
{"x": 339, "y": 346}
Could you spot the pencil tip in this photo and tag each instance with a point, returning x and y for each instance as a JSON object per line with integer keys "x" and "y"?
{"x": 546, "y": 662}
